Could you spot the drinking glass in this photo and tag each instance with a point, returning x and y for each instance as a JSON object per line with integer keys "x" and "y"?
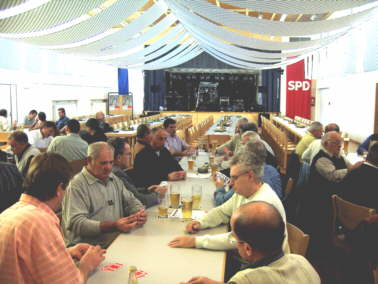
{"x": 197, "y": 196}
{"x": 163, "y": 206}
{"x": 174, "y": 195}
{"x": 187, "y": 204}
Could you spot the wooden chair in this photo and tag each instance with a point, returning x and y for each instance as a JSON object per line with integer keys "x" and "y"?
{"x": 77, "y": 166}
{"x": 348, "y": 215}
{"x": 298, "y": 241}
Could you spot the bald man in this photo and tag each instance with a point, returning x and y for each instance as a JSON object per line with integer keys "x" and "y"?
{"x": 259, "y": 231}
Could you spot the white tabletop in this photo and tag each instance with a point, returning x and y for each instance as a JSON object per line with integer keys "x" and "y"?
{"x": 230, "y": 130}
{"x": 300, "y": 132}
{"x": 147, "y": 248}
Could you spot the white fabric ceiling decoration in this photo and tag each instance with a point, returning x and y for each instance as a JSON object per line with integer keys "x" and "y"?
{"x": 155, "y": 34}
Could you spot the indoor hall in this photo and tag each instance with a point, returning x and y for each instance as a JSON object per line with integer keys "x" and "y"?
{"x": 145, "y": 127}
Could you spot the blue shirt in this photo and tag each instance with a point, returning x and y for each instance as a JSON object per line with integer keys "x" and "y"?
{"x": 62, "y": 122}
{"x": 271, "y": 177}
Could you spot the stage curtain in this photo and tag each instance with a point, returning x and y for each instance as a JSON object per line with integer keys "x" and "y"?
{"x": 154, "y": 89}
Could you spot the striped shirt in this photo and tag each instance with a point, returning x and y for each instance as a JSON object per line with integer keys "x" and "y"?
{"x": 32, "y": 249}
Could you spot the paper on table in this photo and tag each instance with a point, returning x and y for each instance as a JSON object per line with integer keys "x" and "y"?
{"x": 177, "y": 213}
{"x": 197, "y": 175}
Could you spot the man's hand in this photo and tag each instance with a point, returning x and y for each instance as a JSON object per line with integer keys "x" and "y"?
{"x": 158, "y": 189}
{"x": 193, "y": 227}
{"x": 91, "y": 259}
{"x": 79, "y": 250}
{"x": 141, "y": 217}
{"x": 219, "y": 182}
{"x": 356, "y": 165}
{"x": 201, "y": 280}
{"x": 173, "y": 176}
{"x": 183, "y": 242}
{"x": 126, "y": 224}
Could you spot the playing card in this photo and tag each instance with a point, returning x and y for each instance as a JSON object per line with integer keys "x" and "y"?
{"x": 140, "y": 274}
{"x": 111, "y": 267}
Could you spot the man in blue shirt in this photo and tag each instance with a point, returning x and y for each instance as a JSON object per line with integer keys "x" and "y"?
{"x": 63, "y": 119}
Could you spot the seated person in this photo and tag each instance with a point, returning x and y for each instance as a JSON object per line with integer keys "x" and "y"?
{"x": 314, "y": 131}
{"x": 94, "y": 132}
{"x": 246, "y": 174}
{"x": 253, "y": 135}
{"x": 154, "y": 164}
{"x": 231, "y": 146}
{"x": 143, "y": 137}
{"x": 259, "y": 231}
{"x": 30, "y": 118}
{"x": 316, "y": 145}
{"x": 10, "y": 185}
{"x": 4, "y": 124}
{"x": 32, "y": 248}
{"x": 63, "y": 119}
{"x": 122, "y": 154}
{"x": 22, "y": 150}
{"x": 39, "y": 122}
{"x": 174, "y": 144}
{"x": 271, "y": 175}
{"x": 360, "y": 185}
{"x": 100, "y": 116}
{"x": 41, "y": 138}
{"x": 72, "y": 147}
{"x": 328, "y": 169}
{"x": 364, "y": 147}
{"x": 97, "y": 202}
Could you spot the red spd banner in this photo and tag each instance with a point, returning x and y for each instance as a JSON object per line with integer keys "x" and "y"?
{"x": 298, "y": 91}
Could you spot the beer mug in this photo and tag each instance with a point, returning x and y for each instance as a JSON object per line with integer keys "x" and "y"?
{"x": 191, "y": 162}
{"x": 197, "y": 196}
{"x": 187, "y": 205}
{"x": 163, "y": 206}
{"x": 174, "y": 195}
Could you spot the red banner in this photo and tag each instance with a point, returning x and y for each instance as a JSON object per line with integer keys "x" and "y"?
{"x": 298, "y": 91}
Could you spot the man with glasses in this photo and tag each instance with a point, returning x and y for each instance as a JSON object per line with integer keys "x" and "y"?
{"x": 259, "y": 230}
{"x": 328, "y": 169}
{"x": 246, "y": 174}
{"x": 122, "y": 155}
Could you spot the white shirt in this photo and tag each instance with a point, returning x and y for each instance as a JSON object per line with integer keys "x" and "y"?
{"x": 36, "y": 139}
{"x": 4, "y": 125}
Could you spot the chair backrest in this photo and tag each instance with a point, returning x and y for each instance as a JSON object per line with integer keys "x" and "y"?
{"x": 298, "y": 241}
{"x": 348, "y": 214}
{"x": 77, "y": 165}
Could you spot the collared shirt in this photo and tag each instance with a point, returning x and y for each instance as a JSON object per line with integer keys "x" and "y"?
{"x": 290, "y": 269}
{"x": 71, "y": 147}
{"x": 175, "y": 143}
{"x": 314, "y": 149}
{"x": 28, "y": 121}
{"x": 304, "y": 143}
{"x": 327, "y": 169}
{"x": 23, "y": 160}
{"x": 37, "y": 140}
{"x": 222, "y": 214}
{"x": 88, "y": 202}
{"x": 62, "y": 122}
{"x": 4, "y": 125}
{"x": 32, "y": 249}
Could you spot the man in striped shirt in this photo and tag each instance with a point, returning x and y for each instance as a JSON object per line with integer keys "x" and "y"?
{"x": 32, "y": 248}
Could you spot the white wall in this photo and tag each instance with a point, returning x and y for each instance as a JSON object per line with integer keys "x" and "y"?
{"x": 136, "y": 86}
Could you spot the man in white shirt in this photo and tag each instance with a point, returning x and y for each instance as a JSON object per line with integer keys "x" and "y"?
{"x": 246, "y": 174}
{"x": 41, "y": 138}
{"x": 4, "y": 124}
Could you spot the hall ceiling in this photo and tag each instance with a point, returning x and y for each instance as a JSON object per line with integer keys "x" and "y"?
{"x": 157, "y": 34}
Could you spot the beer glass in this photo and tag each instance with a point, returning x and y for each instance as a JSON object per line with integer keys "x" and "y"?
{"x": 214, "y": 168}
{"x": 174, "y": 195}
{"x": 191, "y": 161}
{"x": 163, "y": 207}
{"x": 197, "y": 196}
{"x": 187, "y": 205}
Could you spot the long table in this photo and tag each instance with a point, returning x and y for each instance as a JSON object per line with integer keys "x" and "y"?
{"x": 147, "y": 248}
{"x": 294, "y": 133}
{"x": 217, "y": 138}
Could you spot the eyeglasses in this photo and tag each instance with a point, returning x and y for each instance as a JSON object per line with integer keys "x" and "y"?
{"x": 234, "y": 178}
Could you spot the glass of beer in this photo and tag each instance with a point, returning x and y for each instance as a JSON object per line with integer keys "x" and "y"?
{"x": 187, "y": 205}
{"x": 191, "y": 161}
{"x": 174, "y": 195}
{"x": 214, "y": 168}
{"x": 197, "y": 196}
{"x": 163, "y": 207}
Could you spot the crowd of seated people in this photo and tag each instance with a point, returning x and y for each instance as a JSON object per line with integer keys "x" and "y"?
{"x": 106, "y": 198}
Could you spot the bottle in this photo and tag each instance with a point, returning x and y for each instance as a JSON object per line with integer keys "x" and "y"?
{"x": 132, "y": 276}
